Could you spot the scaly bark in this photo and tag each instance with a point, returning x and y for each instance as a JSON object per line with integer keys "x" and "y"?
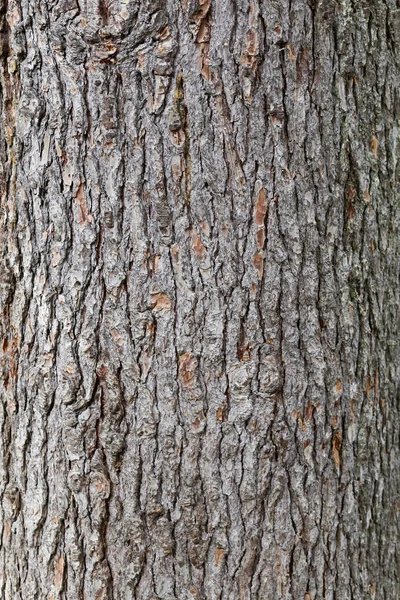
{"x": 199, "y": 300}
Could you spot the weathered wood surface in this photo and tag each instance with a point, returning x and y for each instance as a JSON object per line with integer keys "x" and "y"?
{"x": 199, "y": 300}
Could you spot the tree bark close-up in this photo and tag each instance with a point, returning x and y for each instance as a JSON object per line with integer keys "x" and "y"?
{"x": 200, "y": 300}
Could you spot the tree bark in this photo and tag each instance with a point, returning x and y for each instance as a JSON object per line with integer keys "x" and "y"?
{"x": 200, "y": 300}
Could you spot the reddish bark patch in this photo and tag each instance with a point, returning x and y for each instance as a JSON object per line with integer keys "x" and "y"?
{"x": 250, "y": 51}
{"x": 337, "y": 444}
{"x": 261, "y": 207}
{"x": 259, "y": 264}
{"x": 260, "y": 237}
{"x": 102, "y": 372}
{"x": 197, "y": 245}
{"x": 83, "y": 211}
{"x": 187, "y": 368}
{"x": 309, "y": 411}
{"x": 161, "y": 302}
{"x": 219, "y": 554}
{"x": 196, "y": 423}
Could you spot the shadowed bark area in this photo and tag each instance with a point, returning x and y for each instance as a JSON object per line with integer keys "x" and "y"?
{"x": 199, "y": 293}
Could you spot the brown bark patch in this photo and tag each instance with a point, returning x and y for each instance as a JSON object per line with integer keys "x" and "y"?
{"x": 100, "y": 487}
{"x": 296, "y": 415}
{"x": 11, "y": 349}
{"x": 222, "y": 414}
{"x": 258, "y": 262}
{"x": 203, "y": 9}
{"x": 196, "y": 423}
{"x": 197, "y": 245}
{"x": 376, "y": 386}
{"x": 309, "y": 411}
{"x": 104, "y": 9}
{"x": 70, "y": 369}
{"x": 260, "y": 238}
{"x": 178, "y": 137}
{"x": 243, "y": 348}
{"x": 351, "y": 211}
{"x": 187, "y": 368}
{"x": 102, "y": 372}
{"x": 261, "y": 207}
{"x": 292, "y": 53}
{"x": 164, "y": 46}
{"x": 250, "y": 51}
{"x": 219, "y": 554}
{"x": 352, "y": 407}
{"x": 58, "y": 572}
{"x": 243, "y": 352}
{"x": 175, "y": 253}
{"x": 368, "y": 386}
{"x": 337, "y": 444}
{"x": 83, "y": 217}
{"x": 161, "y": 302}
{"x": 7, "y": 531}
{"x": 203, "y": 34}
{"x": 374, "y": 146}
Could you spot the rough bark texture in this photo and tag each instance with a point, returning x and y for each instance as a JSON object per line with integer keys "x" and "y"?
{"x": 200, "y": 300}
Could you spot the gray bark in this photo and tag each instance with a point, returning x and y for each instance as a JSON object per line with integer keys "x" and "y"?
{"x": 200, "y": 300}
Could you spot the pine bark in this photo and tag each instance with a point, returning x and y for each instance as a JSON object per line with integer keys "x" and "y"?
{"x": 199, "y": 271}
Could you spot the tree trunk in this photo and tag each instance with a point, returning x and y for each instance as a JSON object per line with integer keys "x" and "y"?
{"x": 200, "y": 300}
